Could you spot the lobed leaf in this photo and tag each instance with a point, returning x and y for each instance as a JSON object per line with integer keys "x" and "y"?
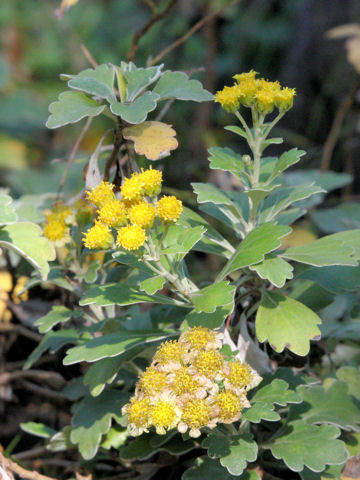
{"x": 137, "y": 111}
{"x": 275, "y": 269}
{"x": 208, "y": 299}
{"x": 178, "y": 85}
{"x": 58, "y": 314}
{"x": 7, "y": 210}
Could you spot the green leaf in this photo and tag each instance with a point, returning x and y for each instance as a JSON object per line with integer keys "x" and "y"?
{"x": 274, "y": 269}
{"x": 309, "y": 445}
{"x": 209, "y": 320}
{"x": 258, "y": 194}
{"x": 137, "y": 111}
{"x": 72, "y": 107}
{"x": 152, "y": 285}
{"x": 92, "y": 419}
{"x": 216, "y": 295}
{"x": 276, "y": 392}
{"x": 206, "y": 467}
{"x": 263, "y": 239}
{"x": 52, "y": 341}
{"x": 115, "y": 438}
{"x": 178, "y": 85}
{"x": 351, "y": 376}
{"x": 113, "y": 344}
{"x": 234, "y": 452}
{"x": 331, "y": 471}
{"x": 336, "y": 278}
{"x": 142, "y": 447}
{"x": 25, "y": 239}
{"x": 327, "y": 180}
{"x": 286, "y": 160}
{"x": 37, "y": 429}
{"x": 237, "y": 130}
{"x": 58, "y": 314}
{"x": 226, "y": 159}
{"x": 207, "y": 192}
{"x": 138, "y": 79}
{"x": 179, "y": 240}
{"x": 102, "y": 373}
{"x": 93, "y": 87}
{"x": 283, "y": 197}
{"x": 326, "y": 251}
{"x": 121, "y": 294}
{"x": 103, "y": 74}
{"x": 286, "y": 323}
{"x": 343, "y": 217}
{"x": 261, "y": 411}
{"x": 7, "y": 211}
{"x": 331, "y": 405}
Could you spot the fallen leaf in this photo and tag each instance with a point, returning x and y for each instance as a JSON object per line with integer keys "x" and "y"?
{"x": 153, "y": 139}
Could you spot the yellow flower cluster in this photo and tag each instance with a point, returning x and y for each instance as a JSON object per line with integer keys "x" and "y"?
{"x": 189, "y": 385}
{"x": 131, "y": 216}
{"x": 6, "y": 287}
{"x": 257, "y": 93}
{"x": 57, "y": 224}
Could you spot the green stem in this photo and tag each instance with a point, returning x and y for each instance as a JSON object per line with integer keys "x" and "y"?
{"x": 244, "y": 124}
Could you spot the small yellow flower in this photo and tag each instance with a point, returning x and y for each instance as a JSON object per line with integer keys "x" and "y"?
{"x": 132, "y": 188}
{"x": 238, "y": 375}
{"x": 142, "y": 214}
{"x": 170, "y": 351}
{"x": 20, "y": 284}
{"x": 208, "y": 363}
{"x": 247, "y": 92}
{"x": 284, "y": 98}
{"x": 165, "y": 414}
{"x": 62, "y": 213}
{"x": 242, "y": 77}
{"x": 229, "y": 98}
{"x": 101, "y": 194}
{"x": 99, "y": 236}
{"x": 138, "y": 412}
{"x": 57, "y": 232}
{"x": 131, "y": 237}
{"x": 152, "y": 381}
{"x": 151, "y": 180}
{"x": 201, "y": 338}
{"x": 265, "y": 101}
{"x": 113, "y": 213}
{"x": 195, "y": 415}
{"x": 169, "y": 209}
{"x": 183, "y": 383}
{"x": 229, "y": 407}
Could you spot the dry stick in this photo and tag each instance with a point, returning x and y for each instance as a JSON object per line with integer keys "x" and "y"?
{"x": 88, "y": 55}
{"x": 189, "y": 33}
{"x": 336, "y": 127}
{"x": 154, "y": 19}
{"x": 72, "y": 155}
{"x": 22, "y": 472}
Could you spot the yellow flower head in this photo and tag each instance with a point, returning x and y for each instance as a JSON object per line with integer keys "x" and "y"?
{"x": 131, "y": 237}
{"x": 169, "y": 352}
{"x": 184, "y": 383}
{"x": 20, "y": 285}
{"x": 132, "y": 188}
{"x": 101, "y": 194}
{"x": 200, "y": 338}
{"x": 239, "y": 375}
{"x": 113, "y": 213}
{"x": 164, "y": 415}
{"x": 152, "y": 381}
{"x": 62, "y": 213}
{"x": 98, "y": 236}
{"x": 142, "y": 214}
{"x": 229, "y": 98}
{"x": 169, "y": 209}
{"x": 265, "y": 101}
{"x": 138, "y": 411}
{"x": 229, "y": 406}
{"x": 151, "y": 180}
{"x": 242, "y": 77}
{"x": 208, "y": 363}
{"x": 284, "y": 98}
{"x": 57, "y": 232}
{"x": 195, "y": 415}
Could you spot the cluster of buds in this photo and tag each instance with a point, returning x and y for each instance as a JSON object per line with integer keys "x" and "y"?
{"x": 57, "y": 224}
{"x": 257, "y": 93}
{"x": 190, "y": 385}
{"x": 132, "y": 216}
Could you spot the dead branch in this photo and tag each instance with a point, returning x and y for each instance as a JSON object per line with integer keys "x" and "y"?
{"x": 13, "y": 467}
{"x": 88, "y": 55}
{"x": 189, "y": 33}
{"x": 156, "y": 17}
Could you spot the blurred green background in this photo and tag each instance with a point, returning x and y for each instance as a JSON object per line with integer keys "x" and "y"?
{"x": 282, "y": 40}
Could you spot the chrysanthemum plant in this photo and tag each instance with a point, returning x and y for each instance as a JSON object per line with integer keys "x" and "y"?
{"x": 176, "y": 364}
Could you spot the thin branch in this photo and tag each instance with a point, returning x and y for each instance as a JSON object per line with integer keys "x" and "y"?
{"x": 10, "y": 327}
{"x": 189, "y": 33}
{"x": 72, "y": 155}
{"x": 156, "y": 17}
{"x": 22, "y": 472}
{"x": 334, "y": 133}
{"x": 88, "y": 55}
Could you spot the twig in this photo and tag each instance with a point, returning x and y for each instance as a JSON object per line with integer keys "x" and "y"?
{"x": 336, "y": 127}
{"x": 22, "y": 472}
{"x": 44, "y": 392}
{"x": 156, "y": 17}
{"x": 9, "y": 327}
{"x": 54, "y": 379}
{"x": 88, "y": 55}
{"x": 189, "y": 33}
{"x": 31, "y": 453}
{"x": 72, "y": 155}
